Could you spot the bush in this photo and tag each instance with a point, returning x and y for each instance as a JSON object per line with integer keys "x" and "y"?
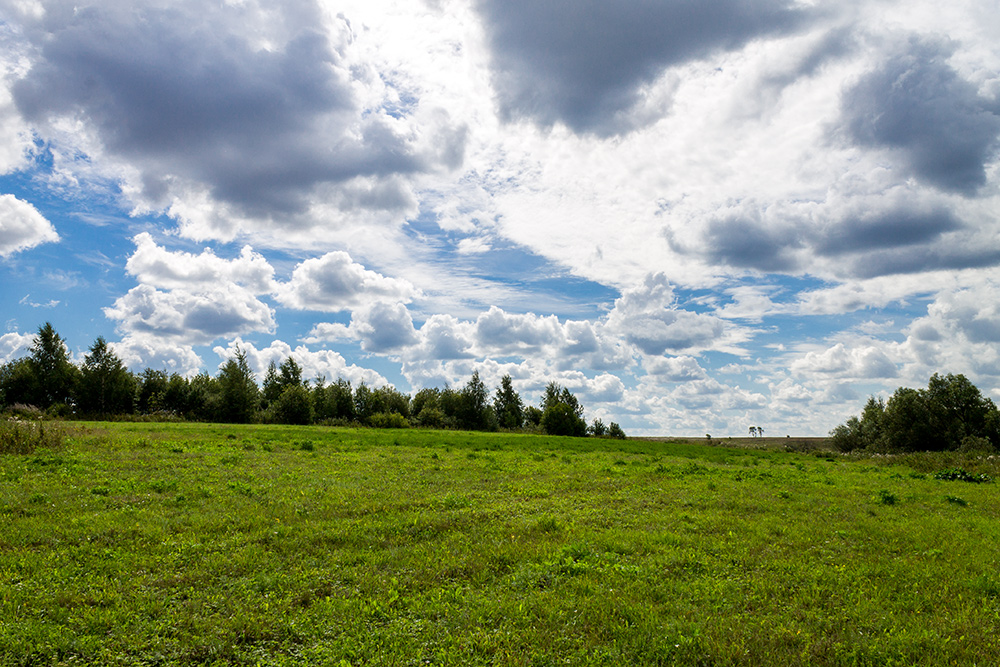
{"x": 388, "y": 420}
{"x": 23, "y": 437}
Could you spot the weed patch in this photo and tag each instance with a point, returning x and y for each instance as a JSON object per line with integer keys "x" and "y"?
{"x": 961, "y": 475}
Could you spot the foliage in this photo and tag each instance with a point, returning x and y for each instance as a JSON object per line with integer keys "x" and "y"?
{"x": 507, "y": 405}
{"x": 615, "y": 431}
{"x": 473, "y": 409}
{"x": 54, "y": 374}
{"x": 961, "y": 475}
{"x": 388, "y": 420}
{"x": 102, "y": 386}
{"x": 950, "y": 414}
{"x": 105, "y": 386}
{"x": 293, "y": 406}
{"x": 238, "y": 393}
{"x": 562, "y": 413}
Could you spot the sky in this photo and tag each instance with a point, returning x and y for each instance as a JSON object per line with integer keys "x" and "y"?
{"x": 697, "y": 215}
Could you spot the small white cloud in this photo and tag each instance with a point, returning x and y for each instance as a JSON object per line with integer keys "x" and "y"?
{"x": 473, "y": 246}
{"x": 22, "y": 227}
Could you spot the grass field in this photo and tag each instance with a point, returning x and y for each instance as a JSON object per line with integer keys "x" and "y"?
{"x": 184, "y": 544}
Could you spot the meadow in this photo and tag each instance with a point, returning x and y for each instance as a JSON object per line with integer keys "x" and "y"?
{"x": 199, "y": 544}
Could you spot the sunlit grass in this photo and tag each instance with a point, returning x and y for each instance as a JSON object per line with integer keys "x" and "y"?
{"x": 203, "y": 544}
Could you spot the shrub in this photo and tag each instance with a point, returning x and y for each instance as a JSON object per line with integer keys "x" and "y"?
{"x": 388, "y": 420}
{"x": 23, "y": 437}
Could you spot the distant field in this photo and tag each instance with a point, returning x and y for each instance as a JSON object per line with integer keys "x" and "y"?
{"x": 194, "y": 544}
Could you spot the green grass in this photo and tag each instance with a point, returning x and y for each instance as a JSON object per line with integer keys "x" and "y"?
{"x": 193, "y": 544}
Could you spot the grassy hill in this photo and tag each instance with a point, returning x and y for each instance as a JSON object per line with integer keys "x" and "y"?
{"x": 184, "y": 544}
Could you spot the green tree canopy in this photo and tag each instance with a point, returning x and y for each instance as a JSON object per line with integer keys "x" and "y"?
{"x": 508, "y": 405}
{"x": 105, "y": 386}
{"x": 238, "y": 392}
{"x": 562, "y": 413}
{"x": 946, "y": 415}
{"x": 54, "y": 374}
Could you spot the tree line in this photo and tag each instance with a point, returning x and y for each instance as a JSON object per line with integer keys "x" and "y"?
{"x": 102, "y": 387}
{"x": 950, "y": 414}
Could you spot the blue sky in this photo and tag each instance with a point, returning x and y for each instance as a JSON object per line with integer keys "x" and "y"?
{"x": 696, "y": 225}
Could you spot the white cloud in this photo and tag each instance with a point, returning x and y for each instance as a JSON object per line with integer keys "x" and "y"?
{"x": 194, "y": 317}
{"x": 22, "y": 227}
{"x": 334, "y": 282}
{"x": 647, "y": 316}
{"x": 156, "y": 266}
{"x": 14, "y": 345}
{"x": 862, "y": 362}
{"x": 143, "y": 350}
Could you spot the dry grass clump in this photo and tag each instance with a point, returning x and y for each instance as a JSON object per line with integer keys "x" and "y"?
{"x": 19, "y": 436}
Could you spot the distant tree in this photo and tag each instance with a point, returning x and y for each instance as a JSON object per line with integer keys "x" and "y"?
{"x": 532, "y": 416}
{"x": 425, "y": 398}
{"x": 238, "y": 392}
{"x": 508, "y": 405}
{"x": 177, "y": 397}
{"x": 105, "y": 386}
{"x": 18, "y": 383}
{"x": 366, "y": 403}
{"x": 205, "y": 396}
{"x": 391, "y": 401}
{"x": 753, "y": 431}
{"x": 473, "y": 404}
{"x": 450, "y": 403}
{"x": 615, "y": 431}
{"x": 271, "y": 388}
{"x": 562, "y": 413}
{"x": 294, "y": 406}
{"x": 151, "y": 385}
{"x": 291, "y": 374}
{"x": 342, "y": 400}
{"x": 55, "y": 375}
{"x": 598, "y": 429}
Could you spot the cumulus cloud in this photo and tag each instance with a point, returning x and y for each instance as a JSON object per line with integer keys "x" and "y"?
{"x": 14, "y": 345}
{"x": 586, "y": 64}
{"x": 196, "y": 317}
{"x": 143, "y": 350}
{"x": 648, "y": 317}
{"x": 860, "y": 361}
{"x": 936, "y": 124}
{"x": 154, "y": 265}
{"x": 334, "y": 282}
{"x": 22, "y": 227}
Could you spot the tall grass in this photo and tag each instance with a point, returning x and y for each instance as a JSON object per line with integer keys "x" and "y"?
{"x": 24, "y": 437}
